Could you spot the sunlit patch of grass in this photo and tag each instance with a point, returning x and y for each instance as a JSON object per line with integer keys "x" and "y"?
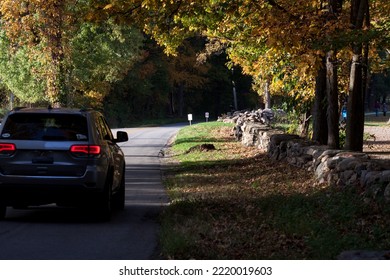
{"x": 215, "y": 133}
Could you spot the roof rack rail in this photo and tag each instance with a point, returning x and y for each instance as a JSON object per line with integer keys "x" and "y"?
{"x": 19, "y": 108}
{"x": 85, "y": 109}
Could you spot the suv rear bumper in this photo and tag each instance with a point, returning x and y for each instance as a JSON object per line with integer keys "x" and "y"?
{"x": 36, "y": 190}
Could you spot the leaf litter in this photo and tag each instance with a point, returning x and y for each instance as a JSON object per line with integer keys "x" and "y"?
{"x": 243, "y": 205}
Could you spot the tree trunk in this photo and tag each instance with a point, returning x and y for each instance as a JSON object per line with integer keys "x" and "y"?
{"x": 304, "y": 125}
{"x": 332, "y": 96}
{"x": 181, "y": 99}
{"x": 320, "y": 126}
{"x": 172, "y": 103}
{"x": 53, "y": 33}
{"x": 355, "y": 118}
{"x": 335, "y": 7}
{"x": 267, "y": 95}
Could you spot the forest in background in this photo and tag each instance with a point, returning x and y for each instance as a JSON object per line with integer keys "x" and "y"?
{"x": 50, "y": 52}
{"x": 112, "y": 55}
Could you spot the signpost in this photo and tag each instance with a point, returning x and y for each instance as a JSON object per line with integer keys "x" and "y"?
{"x": 190, "y": 118}
{"x": 207, "y": 115}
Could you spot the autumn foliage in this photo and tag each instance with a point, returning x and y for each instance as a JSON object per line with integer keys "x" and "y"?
{"x": 282, "y": 44}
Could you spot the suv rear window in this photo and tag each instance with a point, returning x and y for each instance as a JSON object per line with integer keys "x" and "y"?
{"x": 47, "y": 127}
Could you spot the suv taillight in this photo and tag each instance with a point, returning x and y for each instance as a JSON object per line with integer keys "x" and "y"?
{"x": 7, "y": 148}
{"x": 85, "y": 150}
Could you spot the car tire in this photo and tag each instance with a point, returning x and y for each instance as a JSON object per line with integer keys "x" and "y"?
{"x": 104, "y": 202}
{"x": 119, "y": 198}
{"x": 3, "y": 211}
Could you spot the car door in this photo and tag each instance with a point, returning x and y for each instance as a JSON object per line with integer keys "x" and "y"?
{"x": 116, "y": 154}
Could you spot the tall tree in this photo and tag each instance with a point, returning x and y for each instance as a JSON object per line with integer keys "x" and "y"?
{"x": 332, "y": 90}
{"x": 50, "y": 53}
{"x": 355, "y": 120}
{"x": 99, "y": 56}
{"x": 18, "y": 71}
{"x": 320, "y": 121}
{"x": 33, "y": 23}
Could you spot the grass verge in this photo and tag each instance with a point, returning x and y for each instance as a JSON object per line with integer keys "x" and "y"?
{"x": 380, "y": 120}
{"x": 235, "y": 203}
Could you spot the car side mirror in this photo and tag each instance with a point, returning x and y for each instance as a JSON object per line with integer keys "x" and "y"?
{"x": 121, "y": 136}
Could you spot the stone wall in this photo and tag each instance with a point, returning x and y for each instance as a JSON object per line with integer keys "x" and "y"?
{"x": 339, "y": 168}
{"x": 334, "y": 167}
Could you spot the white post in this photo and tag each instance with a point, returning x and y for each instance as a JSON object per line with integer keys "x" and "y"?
{"x": 190, "y": 118}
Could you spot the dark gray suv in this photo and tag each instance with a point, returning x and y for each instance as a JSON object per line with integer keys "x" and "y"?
{"x": 63, "y": 156}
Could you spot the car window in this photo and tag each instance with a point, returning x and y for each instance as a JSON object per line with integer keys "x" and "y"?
{"x": 47, "y": 127}
{"x": 103, "y": 129}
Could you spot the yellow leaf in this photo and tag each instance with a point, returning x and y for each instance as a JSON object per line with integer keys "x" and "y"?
{"x": 107, "y": 7}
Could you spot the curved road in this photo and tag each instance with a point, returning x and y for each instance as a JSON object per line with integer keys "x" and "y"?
{"x": 51, "y": 233}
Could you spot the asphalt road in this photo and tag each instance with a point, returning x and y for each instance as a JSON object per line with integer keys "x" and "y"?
{"x": 52, "y": 233}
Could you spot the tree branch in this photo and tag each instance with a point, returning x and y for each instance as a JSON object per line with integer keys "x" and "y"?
{"x": 276, "y": 5}
{"x": 281, "y": 8}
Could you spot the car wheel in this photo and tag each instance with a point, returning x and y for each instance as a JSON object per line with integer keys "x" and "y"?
{"x": 3, "y": 211}
{"x": 103, "y": 203}
{"x": 119, "y": 198}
